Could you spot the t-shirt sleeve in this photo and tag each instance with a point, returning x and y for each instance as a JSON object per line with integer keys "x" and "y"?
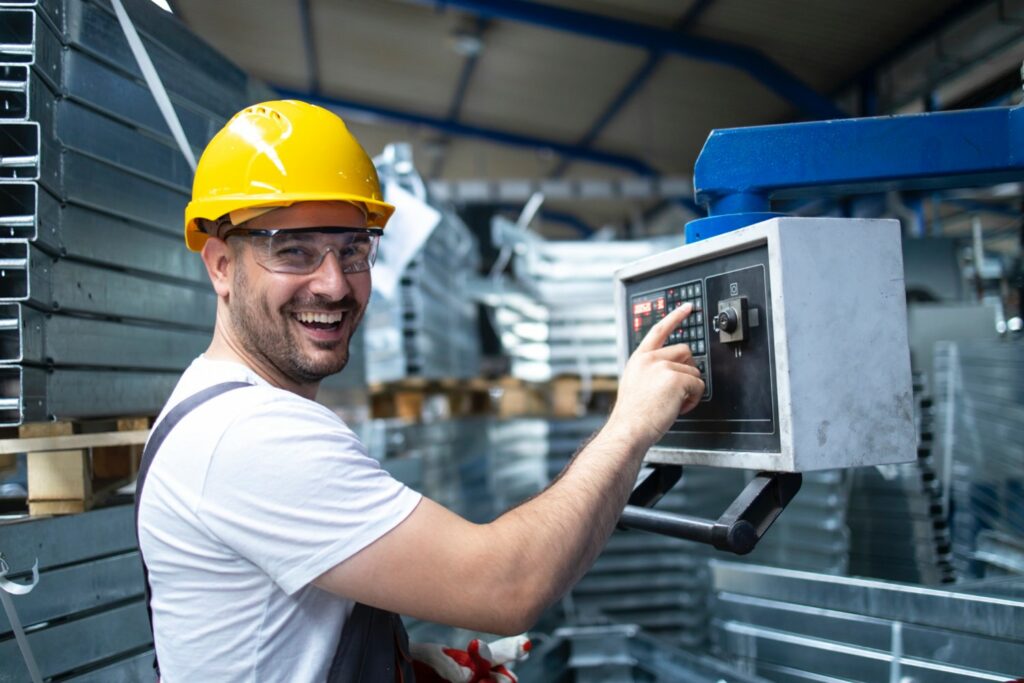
{"x": 291, "y": 489}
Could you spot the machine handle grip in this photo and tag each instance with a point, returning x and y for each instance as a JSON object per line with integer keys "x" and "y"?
{"x": 739, "y": 528}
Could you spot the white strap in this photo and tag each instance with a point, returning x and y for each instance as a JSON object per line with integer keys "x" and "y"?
{"x": 7, "y": 586}
{"x": 154, "y": 83}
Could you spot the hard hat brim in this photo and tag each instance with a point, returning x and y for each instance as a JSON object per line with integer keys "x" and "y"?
{"x": 377, "y": 212}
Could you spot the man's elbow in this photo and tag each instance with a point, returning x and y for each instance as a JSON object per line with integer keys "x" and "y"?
{"x": 525, "y": 604}
{"x": 513, "y": 622}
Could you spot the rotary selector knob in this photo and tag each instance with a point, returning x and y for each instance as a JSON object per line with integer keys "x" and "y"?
{"x": 728, "y": 321}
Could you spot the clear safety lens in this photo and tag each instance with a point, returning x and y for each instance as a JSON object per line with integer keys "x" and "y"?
{"x": 302, "y": 251}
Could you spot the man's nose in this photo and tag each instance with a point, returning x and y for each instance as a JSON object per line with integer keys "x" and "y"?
{"x": 328, "y": 279}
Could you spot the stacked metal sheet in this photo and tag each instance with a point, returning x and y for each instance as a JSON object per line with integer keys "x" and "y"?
{"x": 102, "y": 305}
{"x": 980, "y": 429}
{"x": 621, "y": 654}
{"x": 794, "y": 626}
{"x": 556, "y": 315}
{"x": 439, "y": 316}
{"x": 898, "y": 515}
{"x": 449, "y": 461}
{"x": 813, "y": 532}
{"x": 428, "y": 326}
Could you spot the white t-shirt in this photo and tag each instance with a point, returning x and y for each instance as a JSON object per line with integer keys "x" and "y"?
{"x": 251, "y": 497}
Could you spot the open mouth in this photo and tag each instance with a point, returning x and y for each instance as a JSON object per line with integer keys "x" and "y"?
{"x": 320, "y": 320}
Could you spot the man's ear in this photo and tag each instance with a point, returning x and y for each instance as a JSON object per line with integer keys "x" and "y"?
{"x": 219, "y": 260}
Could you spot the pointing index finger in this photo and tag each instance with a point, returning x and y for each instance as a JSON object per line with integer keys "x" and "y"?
{"x": 657, "y": 335}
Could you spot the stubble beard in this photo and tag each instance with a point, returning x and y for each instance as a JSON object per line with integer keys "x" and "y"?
{"x": 269, "y": 336}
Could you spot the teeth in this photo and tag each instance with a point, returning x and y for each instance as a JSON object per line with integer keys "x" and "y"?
{"x": 323, "y": 318}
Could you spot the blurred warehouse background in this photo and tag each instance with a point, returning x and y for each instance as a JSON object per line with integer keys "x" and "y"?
{"x": 532, "y": 147}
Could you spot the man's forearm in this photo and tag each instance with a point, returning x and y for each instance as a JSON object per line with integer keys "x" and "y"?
{"x": 557, "y": 535}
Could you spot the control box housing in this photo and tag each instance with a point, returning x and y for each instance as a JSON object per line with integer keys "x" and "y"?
{"x": 799, "y": 330}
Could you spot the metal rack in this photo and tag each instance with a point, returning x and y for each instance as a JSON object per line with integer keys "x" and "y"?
{"x": 101, "y": 306}
{"x": 428, "y": 327}
{"x": 797, "y": 626}
{"x": 980, "y": 410}
{"x": 899, "y": 519}
{"x": 554, "y": 314}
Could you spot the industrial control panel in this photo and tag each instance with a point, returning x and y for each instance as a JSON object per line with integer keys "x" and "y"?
{"x": 799, "y": 332}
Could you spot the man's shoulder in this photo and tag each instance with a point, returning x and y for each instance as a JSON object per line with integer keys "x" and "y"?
{"x": 254, "y": 409}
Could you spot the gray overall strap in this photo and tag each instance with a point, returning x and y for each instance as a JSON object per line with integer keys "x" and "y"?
{"x": 156, "y": 439}
{"x": 374, "y": 648}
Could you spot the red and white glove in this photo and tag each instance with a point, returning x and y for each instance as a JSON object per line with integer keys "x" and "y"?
{"x": 479, "y": 663}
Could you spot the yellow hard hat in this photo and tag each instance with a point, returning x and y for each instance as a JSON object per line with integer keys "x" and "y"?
{"x": 278, "y": 153}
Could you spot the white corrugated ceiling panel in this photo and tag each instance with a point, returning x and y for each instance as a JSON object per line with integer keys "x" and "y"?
{"x": 265, "y": 39}
{"x": 388, "y": 54}
{"x": 824, "y": 42}
{"x": 545, "y": 83}
{"x": 666, "y": 123}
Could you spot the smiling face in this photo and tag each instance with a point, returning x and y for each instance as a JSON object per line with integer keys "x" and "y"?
{"x": 293, "y": 329}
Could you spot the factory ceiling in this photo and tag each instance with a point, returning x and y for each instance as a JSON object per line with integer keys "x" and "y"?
{"x": 599, "y": 89}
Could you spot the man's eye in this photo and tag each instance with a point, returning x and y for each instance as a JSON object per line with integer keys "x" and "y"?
{"x": 293, "y": 251}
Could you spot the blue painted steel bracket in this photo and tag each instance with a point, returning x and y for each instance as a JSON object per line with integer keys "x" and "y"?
{"x": 740, "y": 170}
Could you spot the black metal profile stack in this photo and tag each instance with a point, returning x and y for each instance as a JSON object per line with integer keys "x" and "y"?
{"x": 101, "y": 305}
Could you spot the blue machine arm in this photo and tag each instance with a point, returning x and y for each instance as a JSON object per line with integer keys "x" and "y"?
{"x": 740, "y": 170}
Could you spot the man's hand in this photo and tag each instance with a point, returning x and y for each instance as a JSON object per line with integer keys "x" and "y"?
{"x": 658, "y": 384}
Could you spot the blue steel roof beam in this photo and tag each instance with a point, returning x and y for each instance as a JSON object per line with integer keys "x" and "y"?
{"x": 456, "y": 128}
{"x": 309, "y": 41}
{"x": 459, "y": 96}
{"x": 748, "y": 60}
{"x": 633, "y": 85}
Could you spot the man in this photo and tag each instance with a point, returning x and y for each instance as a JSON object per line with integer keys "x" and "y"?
{"x": 276, "y": 548}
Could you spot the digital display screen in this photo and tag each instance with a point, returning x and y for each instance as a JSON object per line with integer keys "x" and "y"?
{"x": 640, "y": 308}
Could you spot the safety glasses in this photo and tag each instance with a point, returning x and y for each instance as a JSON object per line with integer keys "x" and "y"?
{"x": 300, "y": 251}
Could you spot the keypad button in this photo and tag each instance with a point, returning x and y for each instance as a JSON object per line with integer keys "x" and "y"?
{"x": 700, "y": 318}
{"x": 699, "y": 305}
{"x": 700, "y": 332}
{"x": 699, "y": 347}
{"x": 697, "y": 289}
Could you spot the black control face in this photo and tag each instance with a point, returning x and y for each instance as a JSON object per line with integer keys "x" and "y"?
{"x": 730, "y": 335}
{"x": 649, "y": 308}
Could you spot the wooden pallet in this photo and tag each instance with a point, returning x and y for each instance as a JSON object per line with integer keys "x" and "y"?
{"x": 514, "y": 397}
{"x": 416, "y": 399}
{"x": 571, "y": 396}
{"x": 73, "y": 465}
